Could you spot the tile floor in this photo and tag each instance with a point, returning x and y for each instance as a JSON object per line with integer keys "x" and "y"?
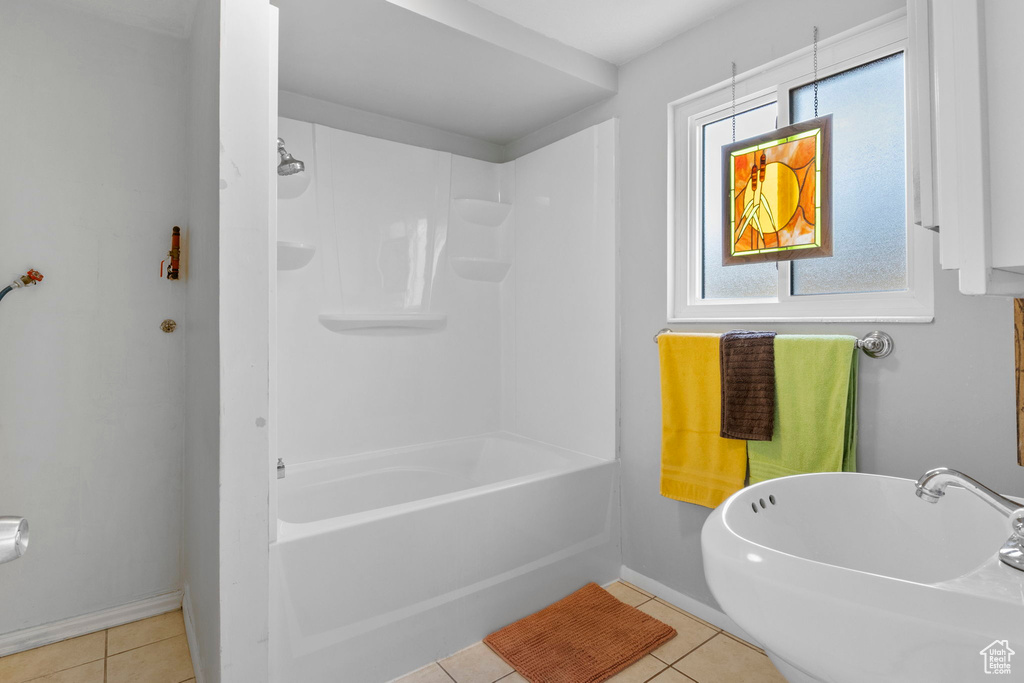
{"x": 699, "y": 652}
{"x": 152, "y": 650}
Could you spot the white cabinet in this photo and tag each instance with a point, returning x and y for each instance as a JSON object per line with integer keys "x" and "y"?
{"x": 966, "y": 104}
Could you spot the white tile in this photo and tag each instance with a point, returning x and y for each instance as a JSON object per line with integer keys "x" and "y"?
{"x": 639, "y": 672}
{"x": 432, "y": 673}
{"x": 165, "y": 661}
{"x": 144, "y": 632}
{"x": 24, "y": 666}
{"x": 689, "y": 632}
{"x": 86, "y": 673}
{"x": 724, "y": 660}
{"x": 638, "y": 589}
{"x": 476, "y": 664}
{"x": 626, "y": 594}
{"x": 670, "y": 676}
{"x": 695, "y": 618}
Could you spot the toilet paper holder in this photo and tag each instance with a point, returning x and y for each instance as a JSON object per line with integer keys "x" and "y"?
{"x": 13, "y": 538}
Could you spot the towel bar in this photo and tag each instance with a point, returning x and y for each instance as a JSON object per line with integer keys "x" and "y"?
{"x": 876, "y": 345}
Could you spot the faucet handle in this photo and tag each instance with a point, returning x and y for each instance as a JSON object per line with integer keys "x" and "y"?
{"x": 1012, "y": 552}
{"x": 1017, "y": 523}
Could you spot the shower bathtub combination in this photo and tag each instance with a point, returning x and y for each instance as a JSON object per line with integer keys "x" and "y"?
{"x": 389, "y": 560}
{"x": 448, "y": 433}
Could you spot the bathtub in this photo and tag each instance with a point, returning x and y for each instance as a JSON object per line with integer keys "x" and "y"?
{"x": 388, "y": 560}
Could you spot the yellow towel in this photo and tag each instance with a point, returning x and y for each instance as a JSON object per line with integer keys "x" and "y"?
{"x": 697, "y": 465}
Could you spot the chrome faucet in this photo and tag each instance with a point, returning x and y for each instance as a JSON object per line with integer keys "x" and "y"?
{"x": 932, "y": 486}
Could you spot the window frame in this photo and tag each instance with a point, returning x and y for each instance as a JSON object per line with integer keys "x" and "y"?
{"x": 774, "y": 82}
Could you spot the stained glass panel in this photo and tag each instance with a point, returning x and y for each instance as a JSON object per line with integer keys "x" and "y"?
{"x": 777, "y": 190}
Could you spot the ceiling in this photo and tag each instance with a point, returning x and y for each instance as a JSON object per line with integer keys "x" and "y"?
{"x": 446, "y": 64}
{"x": 494, "y": 70}
{"x": 613, "y": 30}
{"x": 172, "y": 17}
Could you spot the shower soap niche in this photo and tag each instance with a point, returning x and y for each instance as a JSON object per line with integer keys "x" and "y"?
{"x": 345, "y": 322}
{"x": 482, "y": 211}
{"x": 294, "y": 255}
{"x": 483, "y": 269}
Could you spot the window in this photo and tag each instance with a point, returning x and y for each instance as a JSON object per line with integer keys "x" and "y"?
{"x": 881, "y": 269}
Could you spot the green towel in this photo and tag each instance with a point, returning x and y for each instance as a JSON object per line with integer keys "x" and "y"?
{"x": 815, "y": 409}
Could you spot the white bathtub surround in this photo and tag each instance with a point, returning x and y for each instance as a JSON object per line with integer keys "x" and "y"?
{"x": 565, "y": 303}
{"x": 377, "y": 211}
{"x": 879, "y": 586}
{"x": 530, "y": 352}
{"x": 431, "y": 547}
{"x": 447, "y": 371}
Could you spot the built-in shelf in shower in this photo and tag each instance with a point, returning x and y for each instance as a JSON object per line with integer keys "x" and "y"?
{"x": 294, "y": 255}
{"x": 483, "y": 269}
{"x": 482, "y": 211}
{"x": 345, "y": 322}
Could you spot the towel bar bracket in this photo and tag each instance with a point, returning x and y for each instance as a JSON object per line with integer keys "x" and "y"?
{"x": 878, "y": 344}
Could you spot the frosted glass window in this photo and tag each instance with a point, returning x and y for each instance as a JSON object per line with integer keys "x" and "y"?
{"x": 869, "y": 216}
{"x": 755, "y": 280}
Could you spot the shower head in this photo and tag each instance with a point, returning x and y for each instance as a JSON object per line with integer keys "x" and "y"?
{"x": 289, "y": 165}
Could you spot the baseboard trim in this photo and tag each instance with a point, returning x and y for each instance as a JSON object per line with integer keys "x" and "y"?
{"x": 37, "y": 636}
{"x": 190, "y": 633}
{"x": 710, "y": 614}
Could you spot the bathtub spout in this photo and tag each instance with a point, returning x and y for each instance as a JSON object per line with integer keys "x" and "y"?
{"x": 932, "y": 486}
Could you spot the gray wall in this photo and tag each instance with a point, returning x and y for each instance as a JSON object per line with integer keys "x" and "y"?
{"x": 946, "y": 397}
{"x": 90, "y": 413}
{"x": 202, "y": 385}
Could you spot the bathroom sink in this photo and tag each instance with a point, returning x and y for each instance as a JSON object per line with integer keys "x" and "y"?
{"x": 851, "y": 578}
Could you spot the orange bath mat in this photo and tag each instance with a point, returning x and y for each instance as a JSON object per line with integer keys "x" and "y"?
{"x": 586, "y": 637}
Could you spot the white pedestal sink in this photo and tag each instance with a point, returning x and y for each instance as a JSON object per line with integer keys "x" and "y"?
{"x": 851, "y": 578}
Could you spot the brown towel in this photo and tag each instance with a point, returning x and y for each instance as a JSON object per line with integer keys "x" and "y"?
{"x": 747, "y": 362}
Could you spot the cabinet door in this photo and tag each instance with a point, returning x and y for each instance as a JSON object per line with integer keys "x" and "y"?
{"x": 920, "y": 107}
{"x": 960, "y": 142}
{"x": 1004, "y": 91}
{"x": 974, "y": 97}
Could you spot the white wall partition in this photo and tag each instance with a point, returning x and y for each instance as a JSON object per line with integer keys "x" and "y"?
{"x": 200, "y": 333}
{"x": 247, "y": 169}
